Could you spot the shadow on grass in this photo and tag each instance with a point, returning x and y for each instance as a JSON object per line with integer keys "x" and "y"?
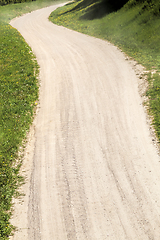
{"x": 96, "y": 9}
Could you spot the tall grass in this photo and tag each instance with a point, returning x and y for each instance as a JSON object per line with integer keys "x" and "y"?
{"x": 134, "y": 29}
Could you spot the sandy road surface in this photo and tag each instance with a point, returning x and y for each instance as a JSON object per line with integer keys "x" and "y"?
{"x": 95, "y": 172}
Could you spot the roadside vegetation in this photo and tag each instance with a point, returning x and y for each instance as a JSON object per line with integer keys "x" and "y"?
{"x": 18, "y": 99}
{"x": 5, "y": 2}
{"x": 131, "y": 25}
{"x": 19, "y": 91}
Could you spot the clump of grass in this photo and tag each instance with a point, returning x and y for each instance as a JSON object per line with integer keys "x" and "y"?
{"x": 134, "y": 29}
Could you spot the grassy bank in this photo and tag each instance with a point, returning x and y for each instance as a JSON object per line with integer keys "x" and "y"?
{"x": 134, "y": 28}
{"x": 18, "y": 96}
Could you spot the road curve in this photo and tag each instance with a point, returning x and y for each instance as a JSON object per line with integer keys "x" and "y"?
{"x": 95, "y": 173}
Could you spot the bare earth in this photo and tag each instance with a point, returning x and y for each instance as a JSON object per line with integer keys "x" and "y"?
{"x": 92, "y": 169}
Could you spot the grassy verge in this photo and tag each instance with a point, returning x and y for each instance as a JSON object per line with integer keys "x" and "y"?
{"x": 132, "y": 28}
{"x": 19, "y": 91}
{"x": 8, "y": 12}
{"x": 18, "y": 96}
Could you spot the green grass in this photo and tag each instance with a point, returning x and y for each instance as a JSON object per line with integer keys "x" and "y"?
{"x": 5, "y": 2}
{"x": 8, "y": 12}
{"x": 134, "y": 29}
{"x": 19, "y": 91}
{"x": 18, "y": 99}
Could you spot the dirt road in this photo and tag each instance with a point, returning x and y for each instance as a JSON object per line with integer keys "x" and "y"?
{"x": 92, "y": 170}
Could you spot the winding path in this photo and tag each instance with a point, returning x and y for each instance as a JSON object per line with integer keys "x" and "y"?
{"x": 95, "y": 172}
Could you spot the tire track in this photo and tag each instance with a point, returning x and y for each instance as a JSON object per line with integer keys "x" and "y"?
{"x": 95, "y": 172}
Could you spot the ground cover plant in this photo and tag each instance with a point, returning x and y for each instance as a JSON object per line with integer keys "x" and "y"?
{"x": 18, "y": 98}
{"x": 133, "y": 27}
